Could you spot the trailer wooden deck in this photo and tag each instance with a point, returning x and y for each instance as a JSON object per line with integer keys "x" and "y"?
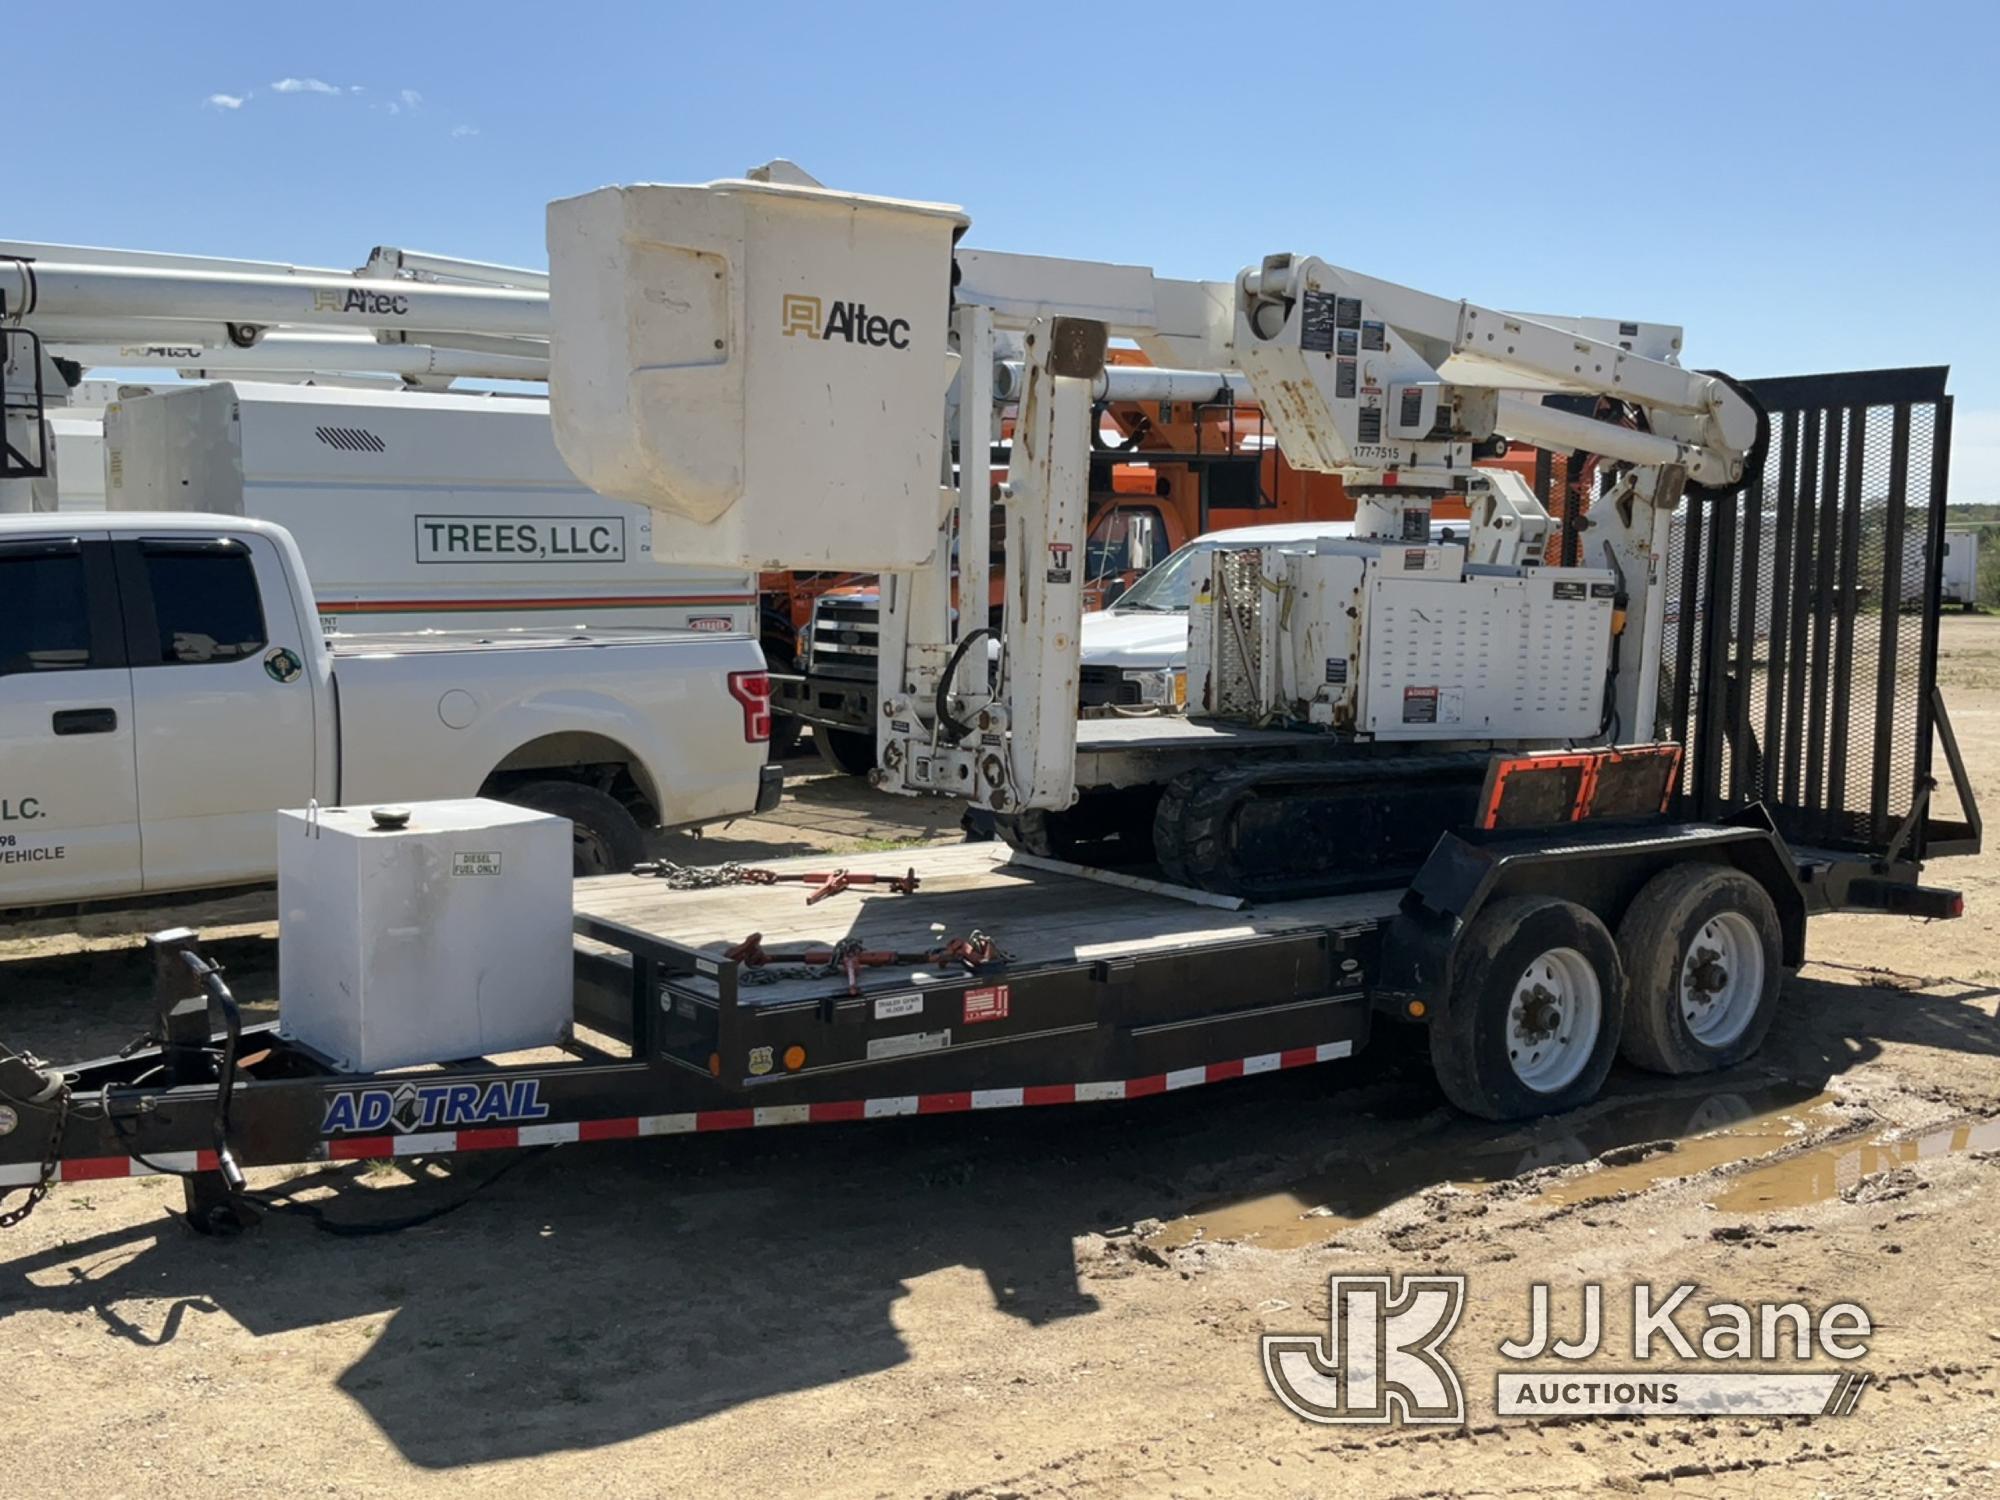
{"x": 1039, "y": 912}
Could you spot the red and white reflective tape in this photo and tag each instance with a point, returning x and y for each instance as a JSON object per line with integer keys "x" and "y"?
{"x": 102, "y": 1168}
{"x": 633, "y": 1127}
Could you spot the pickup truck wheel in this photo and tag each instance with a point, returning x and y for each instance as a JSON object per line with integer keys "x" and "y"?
{"x": 1703, "y": 949}
{"x": 606, "y": 839}
{"x": 848, "y": 751}
{"x": 1535, "y": 1011}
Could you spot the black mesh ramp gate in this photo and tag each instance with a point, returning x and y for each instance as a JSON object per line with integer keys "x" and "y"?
{"x": 1800, "y": 648}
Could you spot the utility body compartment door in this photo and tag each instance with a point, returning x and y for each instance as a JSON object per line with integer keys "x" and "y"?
{"x": 69, "y": 809}
{"x": 223, "y": 698}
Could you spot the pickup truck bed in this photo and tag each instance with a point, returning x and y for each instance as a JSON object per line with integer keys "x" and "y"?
{"x": 439, "y": 642}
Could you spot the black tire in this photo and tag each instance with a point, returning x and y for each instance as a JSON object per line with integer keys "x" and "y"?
{"x": 1106, "y": 826}
{"x": 848, "y": 751}
{"x": 1668, "y": 937}
{"x": 1171, "y": 836}
{"x": 1038, "y": 832}
{"x": 607, "y": 839}
{"x": 1474, "y": 1045}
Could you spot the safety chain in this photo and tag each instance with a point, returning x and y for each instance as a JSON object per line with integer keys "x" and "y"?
{"x": 798, "y": 968}
{"x": 819, "y": 883}
{"x": 698, "y": 877}
{"x": 40, "y": 1190}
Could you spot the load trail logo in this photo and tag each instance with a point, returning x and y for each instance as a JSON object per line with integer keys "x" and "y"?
{"x": 433, "y": 1106}
{"x": 806, "y": 316}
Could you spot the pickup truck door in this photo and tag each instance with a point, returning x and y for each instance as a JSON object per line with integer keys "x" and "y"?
{"x": 222, "y": 702}
{"x": 69, "y": 810}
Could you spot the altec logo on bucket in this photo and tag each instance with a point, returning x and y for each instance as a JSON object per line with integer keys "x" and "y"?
{"x": 806, "y": 316}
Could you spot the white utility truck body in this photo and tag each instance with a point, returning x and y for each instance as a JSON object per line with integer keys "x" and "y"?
{"x": 165, "y": 689}
{"x": 1960, "y": 582}
{"x": 413, "y": 509}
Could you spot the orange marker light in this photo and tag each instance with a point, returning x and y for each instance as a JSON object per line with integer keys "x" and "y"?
{"x": 1417, "y": 1009}
{"x": 795, "y": 1058}
{"x": 715, "y": 1064}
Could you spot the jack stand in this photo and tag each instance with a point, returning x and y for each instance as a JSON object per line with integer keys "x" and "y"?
{"x": 187, "y": 1048}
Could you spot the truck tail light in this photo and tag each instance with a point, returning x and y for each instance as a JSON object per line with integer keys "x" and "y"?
{"x": 753, "y": 691}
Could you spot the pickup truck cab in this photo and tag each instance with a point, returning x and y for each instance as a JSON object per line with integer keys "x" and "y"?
{"x": 164, "y": 689}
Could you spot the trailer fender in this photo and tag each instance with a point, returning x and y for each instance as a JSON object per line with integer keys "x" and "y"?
{"x": 1602, "y": 870}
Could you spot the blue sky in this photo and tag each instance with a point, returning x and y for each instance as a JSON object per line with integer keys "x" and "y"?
{"x": 1803, "y": 186}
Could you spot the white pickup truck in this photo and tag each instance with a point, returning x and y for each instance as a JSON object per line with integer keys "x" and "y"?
{"x": 164, "y": 689}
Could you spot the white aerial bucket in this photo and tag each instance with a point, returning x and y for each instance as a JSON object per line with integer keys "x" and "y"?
{"x": 763, "y": 365}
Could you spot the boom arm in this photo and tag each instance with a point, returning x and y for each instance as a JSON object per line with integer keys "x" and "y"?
{"x": 755, "y": 359}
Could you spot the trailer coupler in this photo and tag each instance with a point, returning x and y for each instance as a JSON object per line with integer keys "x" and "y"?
{"x": 29, "y": 1082}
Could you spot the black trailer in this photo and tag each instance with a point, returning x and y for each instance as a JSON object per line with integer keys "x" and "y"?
{"x": 1646, "y": 899}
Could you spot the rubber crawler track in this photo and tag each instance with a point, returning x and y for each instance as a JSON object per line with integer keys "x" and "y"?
{"x": 1195, "y": 832}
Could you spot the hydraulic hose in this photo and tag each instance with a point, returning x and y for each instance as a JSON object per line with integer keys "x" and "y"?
{"x": 954, "y": 728}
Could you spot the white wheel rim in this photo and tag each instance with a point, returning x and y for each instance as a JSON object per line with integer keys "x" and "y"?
{"x": 1722, "y": 979}
{"x": 1553, "y": 1020}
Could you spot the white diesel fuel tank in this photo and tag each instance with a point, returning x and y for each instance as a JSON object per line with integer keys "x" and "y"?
{"x": 425, "y": 933}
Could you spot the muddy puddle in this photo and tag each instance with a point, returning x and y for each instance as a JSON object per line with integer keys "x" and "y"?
{"x": 1645, "y": 1142}
{"x": 1705, "y": 1131}
{"x": 1815, "y": 1176}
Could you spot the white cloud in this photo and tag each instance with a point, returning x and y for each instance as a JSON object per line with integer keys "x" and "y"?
{"x": 410, "y": 97}
{"x": 226, "y": 101}
{"x": 304, "y": 86}
{"x": 462, "y": 132}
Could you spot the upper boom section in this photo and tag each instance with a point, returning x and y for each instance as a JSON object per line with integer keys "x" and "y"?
{"x": 1362, "y": 375}
{"x": 764, "y": 363}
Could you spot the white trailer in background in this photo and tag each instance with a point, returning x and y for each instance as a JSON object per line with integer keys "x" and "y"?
{"x": 1960, "y": 584}
{"x": 402, "y": 319}
{"x": 322, "y": 403}
{"x": 414, "y": 509}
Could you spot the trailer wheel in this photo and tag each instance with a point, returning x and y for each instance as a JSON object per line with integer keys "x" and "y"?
{"x": 1702, "y": 948}
{"x": 606, "y": 839}
{"x": 1537, "y": 1000}
{"x": 848, "y": 751}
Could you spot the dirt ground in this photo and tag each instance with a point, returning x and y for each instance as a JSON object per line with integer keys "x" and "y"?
{"x": 1042, "y": 1302}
